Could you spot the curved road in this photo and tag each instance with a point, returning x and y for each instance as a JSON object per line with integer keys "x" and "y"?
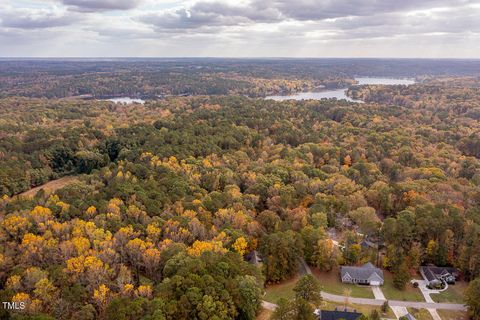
{"x": 379, "y": 302}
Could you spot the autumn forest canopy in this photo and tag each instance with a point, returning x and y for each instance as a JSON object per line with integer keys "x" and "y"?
{"x": 168, "y": 198}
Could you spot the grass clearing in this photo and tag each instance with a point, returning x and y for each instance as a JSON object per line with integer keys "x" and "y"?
{"x": 391, "y": 293}
{"x": 275, "y": 292}
{"x": 331, "y": 283}
{"x": 454, "y": 293}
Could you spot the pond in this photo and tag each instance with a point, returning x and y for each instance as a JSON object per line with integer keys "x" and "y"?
{"x": 341, "y": 93}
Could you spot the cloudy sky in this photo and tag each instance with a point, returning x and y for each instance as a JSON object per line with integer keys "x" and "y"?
{"x": 240, "y": 28}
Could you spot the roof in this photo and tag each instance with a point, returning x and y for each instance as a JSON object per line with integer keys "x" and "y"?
{"x": 367, "y": 244}
{"x": 363, "y": 273}
{"x": 432, "y": 272}
{"x": 253, "y": 257}
{"x": 337, "y": 315}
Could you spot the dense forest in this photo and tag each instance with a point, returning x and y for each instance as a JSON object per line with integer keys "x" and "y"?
{"x": 171, "y": 195}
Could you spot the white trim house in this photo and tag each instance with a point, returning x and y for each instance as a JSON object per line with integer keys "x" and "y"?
{"x": 367, "y": 274}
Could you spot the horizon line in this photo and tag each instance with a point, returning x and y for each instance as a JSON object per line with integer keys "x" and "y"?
{"x": 225, "y": 57}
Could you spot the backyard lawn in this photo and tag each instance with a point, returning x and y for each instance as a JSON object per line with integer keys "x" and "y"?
{"x": 275, "y": 292}
{"x": 331, "y": 283}
{"x": 454, "y": 293}
{"x": 391, "y": 293}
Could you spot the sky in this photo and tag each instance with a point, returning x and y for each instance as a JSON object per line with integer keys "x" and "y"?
{"x": 240, "y": 28}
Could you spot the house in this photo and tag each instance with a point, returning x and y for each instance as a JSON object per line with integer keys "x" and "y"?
{"x": 437, "y": 275}
{"x": 367, "y": 244}
{"x": 253, "y": 257}
{"x": 366, "y": 274}
{"x": 337, "y": 314}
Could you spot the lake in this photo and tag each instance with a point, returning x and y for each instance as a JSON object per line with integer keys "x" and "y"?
{"x": 126, "y": 100}
{"x": 341, "y": 93}
{"x": 327, "y": 94}
{"x": 384, "y": 81}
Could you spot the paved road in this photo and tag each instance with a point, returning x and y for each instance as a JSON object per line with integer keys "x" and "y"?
{"x": 378, "y": 302}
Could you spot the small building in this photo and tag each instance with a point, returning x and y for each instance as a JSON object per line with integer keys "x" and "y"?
{"x": 435, "y": 276}
{"x": 253, "y": 257}
{"x": 369, "y": 242}
{"x": 337, "y": 314}
{"x": 367, "y": 274}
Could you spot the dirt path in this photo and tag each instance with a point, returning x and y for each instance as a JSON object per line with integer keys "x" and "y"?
{"x": 50, "y": 186}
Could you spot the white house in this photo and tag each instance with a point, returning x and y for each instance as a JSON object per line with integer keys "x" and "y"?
{"x": 366, "y": 274}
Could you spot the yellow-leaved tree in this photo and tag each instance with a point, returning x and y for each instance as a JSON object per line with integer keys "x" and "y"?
{"x": 240, "y": 246}
{"x": 199, "y": 247}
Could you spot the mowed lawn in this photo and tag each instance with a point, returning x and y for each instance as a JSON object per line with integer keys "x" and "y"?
{"x": 331, "y": 283}
{"x": 454, "y": 293}
{"x": 452, "y": 315}
{"x": 275, "y": 292}
{"x": 391, "y": 293}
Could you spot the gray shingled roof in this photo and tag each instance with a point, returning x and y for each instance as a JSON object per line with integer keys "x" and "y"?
{"x": 339, "y": 315}
{"x": 362, "y": 273}
{"x": 433, "y": 273}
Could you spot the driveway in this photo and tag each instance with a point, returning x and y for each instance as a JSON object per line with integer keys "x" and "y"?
{"x": 422, "y": 285}
{"x": 434, "y": 314}
{"x": 303, "y": 268}
{"x": 377, "y": 292}
{"x": 398, "y": 311}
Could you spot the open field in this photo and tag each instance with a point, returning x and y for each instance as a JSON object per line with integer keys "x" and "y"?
{"x": 454, "y": 293}
{"x": 50, "y": 186}
{"x": 391, "y": 293}
{"x": 331, "y": 283}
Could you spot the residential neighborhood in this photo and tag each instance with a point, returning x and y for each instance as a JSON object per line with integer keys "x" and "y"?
{"x": 364, "y": 288}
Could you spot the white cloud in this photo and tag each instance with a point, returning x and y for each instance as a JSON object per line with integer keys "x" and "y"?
{"x": 436, "y": 28}
{"x": 102, "y": 5}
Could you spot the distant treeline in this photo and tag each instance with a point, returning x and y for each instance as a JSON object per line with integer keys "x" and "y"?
{"x": 252, "y": 77}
